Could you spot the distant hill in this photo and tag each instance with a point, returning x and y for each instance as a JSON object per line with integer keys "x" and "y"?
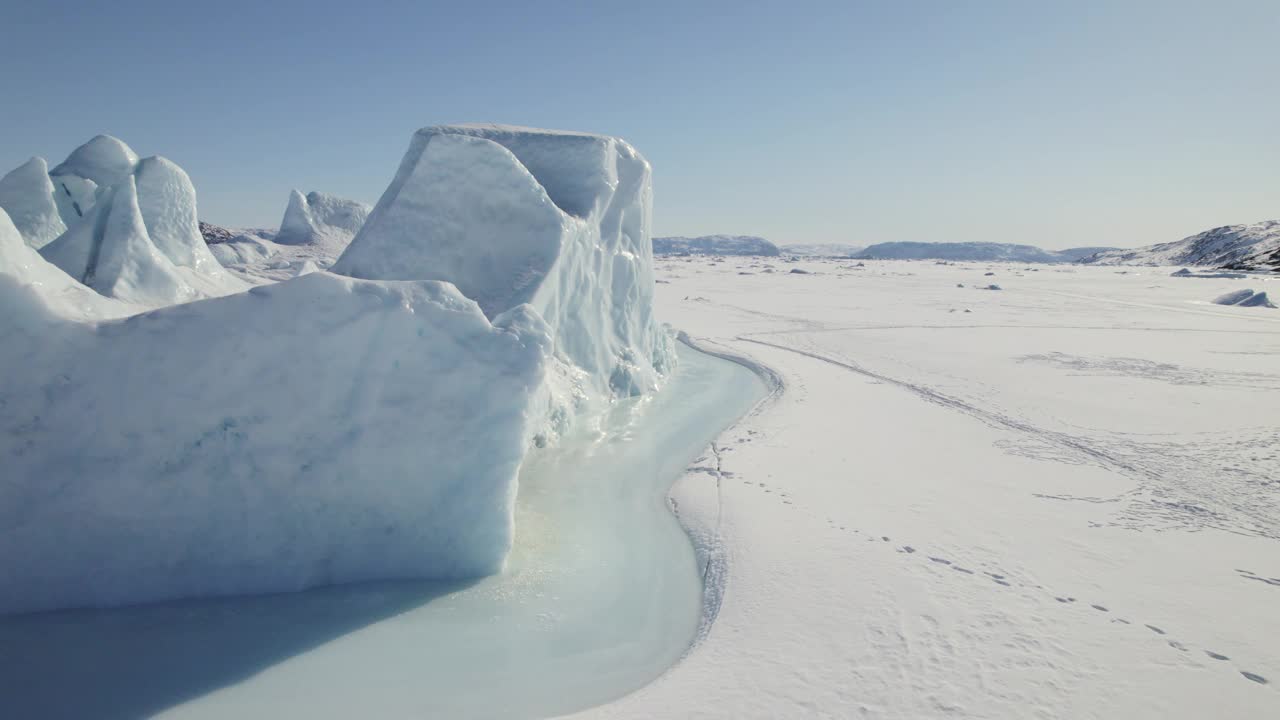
{"x": 1080, "y": 253}
{"x": 714, "y": 245}
{"x": 972, "y": 251}
{"x": 823, "y": 250}
{"x": 1240, "y": 247}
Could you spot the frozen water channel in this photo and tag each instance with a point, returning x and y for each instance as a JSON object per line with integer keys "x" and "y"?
{"x": 600, "y": 596}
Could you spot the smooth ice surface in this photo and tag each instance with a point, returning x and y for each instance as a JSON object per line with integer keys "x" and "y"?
{"x": 558, "y": 220}
{"x": 317, "y": 431}
{"x": 1058, "y": 500}
{"x": 320, "y": 219}
{"x": 27, "y": 195}
{"x": 601, "y": 594}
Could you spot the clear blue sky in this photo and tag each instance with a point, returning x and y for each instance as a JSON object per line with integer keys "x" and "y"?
{"x": 1055, "y": 123}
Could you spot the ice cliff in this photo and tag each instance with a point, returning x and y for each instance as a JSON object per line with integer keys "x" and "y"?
{"x": 327, "y": 428}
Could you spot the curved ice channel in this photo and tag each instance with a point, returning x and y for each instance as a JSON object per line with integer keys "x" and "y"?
{"x": 600, "y": 596}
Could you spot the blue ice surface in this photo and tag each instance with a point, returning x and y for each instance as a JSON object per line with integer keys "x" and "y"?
{"x": 600, "y": 596}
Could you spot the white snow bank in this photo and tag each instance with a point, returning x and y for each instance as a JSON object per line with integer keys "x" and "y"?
{"x": 27, "y": 195}
{"x": 321, "y": 219}
{"x": 140, "y": 241}
{"x": 317, "y": 431}
{"x": 516, "y": 215}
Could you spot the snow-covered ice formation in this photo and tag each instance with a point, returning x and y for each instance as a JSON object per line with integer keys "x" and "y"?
{"x": 1234, "y": 297}
{"x": 514, "y": 215}
{"x": 244, "y": 250}
{"x": 317, "y": 218}
{"x": 139, "y": 239}
{"x": 28, "y": 196}
{"x": 1244, "y": 298}
{"x": 99, "y": 163}
{"x": 36, "y": 295}
{"x": 324, "y": 429}
{"x": 317, "y": 431}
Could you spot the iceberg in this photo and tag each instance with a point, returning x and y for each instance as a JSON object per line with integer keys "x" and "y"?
{"x": 558, "y": 220}
{"x": 321, "y": 219}
{"x": 36, "y": 296}
{"x": 317, "y": 431}
{"x": 27, "y": 196}
{"x": 165, "y": 437}
{"x": 140, "y": 240}
{"x": 99, "y": 163}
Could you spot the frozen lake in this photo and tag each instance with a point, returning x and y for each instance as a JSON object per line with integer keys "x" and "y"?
{"x": 601, "y": 595}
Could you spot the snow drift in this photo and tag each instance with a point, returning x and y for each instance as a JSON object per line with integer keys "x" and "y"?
{"x": 513, "y": 215}
{"x": 321, "y": 219}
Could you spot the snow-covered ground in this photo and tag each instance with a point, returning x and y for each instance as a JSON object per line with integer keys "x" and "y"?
{"x": 1056, "y": 500}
